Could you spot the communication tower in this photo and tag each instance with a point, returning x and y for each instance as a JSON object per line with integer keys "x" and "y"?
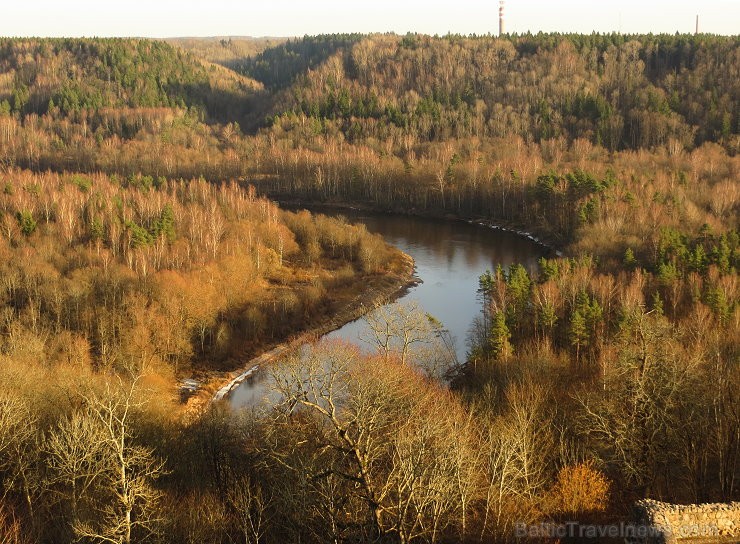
{"x": 501, "y": 17}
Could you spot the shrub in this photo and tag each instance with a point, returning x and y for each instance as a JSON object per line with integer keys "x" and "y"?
{"x": 579, "y": 489}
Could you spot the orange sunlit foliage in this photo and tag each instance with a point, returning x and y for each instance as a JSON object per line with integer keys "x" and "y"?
{"x": 148, "y": 271}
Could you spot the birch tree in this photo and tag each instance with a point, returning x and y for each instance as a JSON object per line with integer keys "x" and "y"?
{"x": 126, "y": 472}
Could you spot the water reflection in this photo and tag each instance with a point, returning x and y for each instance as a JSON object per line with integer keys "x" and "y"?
{"x": 450, "y": 256}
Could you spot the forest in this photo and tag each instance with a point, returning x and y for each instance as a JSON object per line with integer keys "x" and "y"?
{"x": 140, "y": 245}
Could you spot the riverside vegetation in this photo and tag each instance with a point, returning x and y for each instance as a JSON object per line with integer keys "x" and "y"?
{"x": 608, "y": 376}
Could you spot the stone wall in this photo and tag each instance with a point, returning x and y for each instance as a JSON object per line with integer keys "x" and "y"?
{"x": 675, "y": 523}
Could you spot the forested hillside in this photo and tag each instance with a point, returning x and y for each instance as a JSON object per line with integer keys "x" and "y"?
{"x": 229, "y": 51}
{"x": 85, "y": 79}
{"x": 139, "y": 271}
{"x": 603, "y": 378}
{"x": 74, "y": 103}
{"x": 616, "y": 91}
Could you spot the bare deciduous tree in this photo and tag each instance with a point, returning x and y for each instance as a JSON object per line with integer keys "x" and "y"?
{"x": 249, "y": 506}
{"x": 638, "y": 417}
{"x": 405, "y": 329}
{"x": 18, "y": 448}
{"x": 127, "y": 471}
{"x": 11, "y": 531}
{"x": 74, "y": 451}
{"x": 399, "y": 447}
{"x": 517, "y": 447}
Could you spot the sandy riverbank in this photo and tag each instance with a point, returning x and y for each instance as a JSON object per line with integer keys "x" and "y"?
{"x": 376, "y": 290}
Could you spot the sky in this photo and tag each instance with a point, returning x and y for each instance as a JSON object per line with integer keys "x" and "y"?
{"x": 176, "y": 18}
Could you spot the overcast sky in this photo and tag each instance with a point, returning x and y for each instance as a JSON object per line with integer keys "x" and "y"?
{"x": 169, "y": 18}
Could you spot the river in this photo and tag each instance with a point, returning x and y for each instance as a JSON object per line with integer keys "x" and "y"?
{"x": 450, "y": 256}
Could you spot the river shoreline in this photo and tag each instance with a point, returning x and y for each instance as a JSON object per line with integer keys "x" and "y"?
{"x": 218, "y": 386}
{"x": 379, "y": 289}
{"x": 540, "y": 240}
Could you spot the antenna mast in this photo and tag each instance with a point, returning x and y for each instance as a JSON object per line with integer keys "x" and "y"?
{"x": 501, "y": 17}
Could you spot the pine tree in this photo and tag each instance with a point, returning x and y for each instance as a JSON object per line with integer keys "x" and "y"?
{"x": 578, "y": 333}
{"x": 657, "y": 303}
{"x": 165, "y": 226}
{"x": 629, "y": 258}
{"x": 548, "y": 316}
{"x": 499, "y": 338}
{"x": 26, "y": 222}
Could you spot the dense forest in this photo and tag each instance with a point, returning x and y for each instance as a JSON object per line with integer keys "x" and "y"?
{"x": 621, "y": 92}
{"x": 229, "y": 51}
{"x": 139, "y": 247}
